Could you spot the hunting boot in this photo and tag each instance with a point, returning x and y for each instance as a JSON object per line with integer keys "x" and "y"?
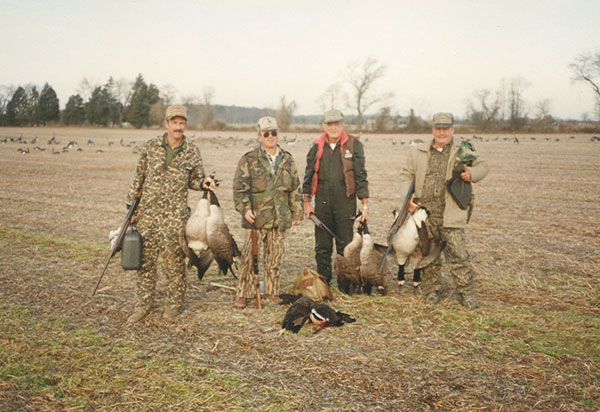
{"x": 432, "y": 298}
{"x": 240, "y": 302}
{"x": 137, "y": 315}
{"x": 170, "y": 313}
{"x": 466, "y": 299}
{"x": 273, "y": 299}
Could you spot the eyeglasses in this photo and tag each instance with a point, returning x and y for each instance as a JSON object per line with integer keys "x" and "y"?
{"x": 271, "y": 132}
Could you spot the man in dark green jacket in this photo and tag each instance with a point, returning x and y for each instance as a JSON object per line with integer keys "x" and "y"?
{"x": 335, "y": 175}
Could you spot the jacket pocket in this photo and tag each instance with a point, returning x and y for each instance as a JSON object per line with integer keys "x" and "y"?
{"x": 259, "y": 180}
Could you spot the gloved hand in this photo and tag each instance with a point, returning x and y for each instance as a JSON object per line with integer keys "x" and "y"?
{"x": 113, "y": 236}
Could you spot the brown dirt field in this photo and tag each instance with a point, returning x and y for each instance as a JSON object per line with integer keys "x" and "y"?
{"x": 533, "y": 343}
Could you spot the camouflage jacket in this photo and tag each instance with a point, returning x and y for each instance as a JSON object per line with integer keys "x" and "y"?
{"x": 276, "y": 197}
{"x": 165, "y": 189}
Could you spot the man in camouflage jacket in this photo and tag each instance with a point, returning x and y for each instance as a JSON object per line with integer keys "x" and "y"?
{"x": 430, "y": 166}
{"x": 269, "y": 172}
{"x": 168, "y": 166}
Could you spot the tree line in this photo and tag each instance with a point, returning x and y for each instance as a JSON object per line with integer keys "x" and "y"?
{"x": 142, "y": 104}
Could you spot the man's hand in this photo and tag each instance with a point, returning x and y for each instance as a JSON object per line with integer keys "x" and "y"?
{"x": 250, "y": 216}
{"x": 308, "y": 209}
{"x": 412, "y": 205}
{"x": 296, "y": 222}
{"x": 365, "y": 214}
{"x": 209, "y": 183}
{"x": 466, "y": 175}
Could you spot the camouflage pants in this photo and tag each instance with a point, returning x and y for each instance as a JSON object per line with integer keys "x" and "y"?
{"x": 272, "y": 256}
{"x": 457, "y": 257}
{"x": 165, "y": 245}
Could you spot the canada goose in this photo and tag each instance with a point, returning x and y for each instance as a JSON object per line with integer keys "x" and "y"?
{"x": 347, "y": 266}
{"x": 201, "y": 261}
{"x": 371, "y": 255}
{"x": 195, "y": 228}
{"x": 406, "y": 240}
{"x": 320, "y": 314}
{"x": 219, "y": 240}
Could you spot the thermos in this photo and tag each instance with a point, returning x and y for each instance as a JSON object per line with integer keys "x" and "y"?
{"x": 131, "y": 249}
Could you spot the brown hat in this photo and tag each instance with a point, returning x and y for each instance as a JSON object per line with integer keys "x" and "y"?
{"x": 333, "y": 116}
{"x": 176, "y": 110}
{"x": 267, "y": 123}
{"x": 443, "y": 120}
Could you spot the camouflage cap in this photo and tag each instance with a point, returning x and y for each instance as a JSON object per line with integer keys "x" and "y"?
{"x": 176, "y": 110}
{"x": 333, "y": 116}
{"x": 267, "y": 123}
{"x": 443, "y": 120}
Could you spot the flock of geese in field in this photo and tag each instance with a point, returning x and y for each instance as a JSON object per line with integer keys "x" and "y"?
{"x": 34, "y": 144}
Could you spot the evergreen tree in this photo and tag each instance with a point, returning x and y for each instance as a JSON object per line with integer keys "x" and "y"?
{"x": 48, "y": 106}
{"x": 143, "y": 96}
{"x": 16, "y": 109}
{"x": 74, "y": 113}
{"x": 102, "y": 108}
{"x": 33, "y": 107}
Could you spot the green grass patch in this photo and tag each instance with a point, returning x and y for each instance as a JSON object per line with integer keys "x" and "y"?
{"x": 72, "y": 367}
{"x": 52, "y": 245}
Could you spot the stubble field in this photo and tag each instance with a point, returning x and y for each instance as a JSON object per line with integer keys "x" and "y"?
{"x": 532, "y": 345}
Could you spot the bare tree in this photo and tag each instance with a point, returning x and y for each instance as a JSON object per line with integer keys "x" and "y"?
{"x": 167, "y": 94}
{"x": 484, "y": 109}
{"x": 361, "y": 77}
{"x": 86, "y": 88}
{"x": 6, "y": 94}
{"x": 381, "y": 123}
{"x": 332, "y": 98}
{"x": 206, "y": 110}
{"x": 542, "y": 117}
{"x": 285, "y": 114}
{"x": 586, "y": 68}
{"x": 516, "y": 103}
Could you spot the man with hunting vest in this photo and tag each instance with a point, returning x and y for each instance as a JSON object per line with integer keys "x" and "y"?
{"x": 266, "y": 192}
{"x": 442, "y": 170}
{"x": 335, "y": 176}
{"x": 168, "y": 166}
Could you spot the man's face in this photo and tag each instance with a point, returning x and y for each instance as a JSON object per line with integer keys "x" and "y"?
{"x": 268, "y": 139}
{"x": 442, "y": 136}
{"x": 175, "y": 127}
{"x": 334, "y": 129}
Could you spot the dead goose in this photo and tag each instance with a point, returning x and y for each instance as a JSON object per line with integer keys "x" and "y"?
{"x": 219, "y": 239}
{"x": 407, "y": 238}
{"x": 371, "y": 255}
{"x": 347, "y": 266}
{"x": 195, "y": 228}
{"x": 320, "y": 314}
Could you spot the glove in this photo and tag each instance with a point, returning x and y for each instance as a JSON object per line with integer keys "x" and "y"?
{"x": 113, "y": 236}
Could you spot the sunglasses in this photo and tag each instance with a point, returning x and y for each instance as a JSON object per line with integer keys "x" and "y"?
{"x": 272, "y": 133}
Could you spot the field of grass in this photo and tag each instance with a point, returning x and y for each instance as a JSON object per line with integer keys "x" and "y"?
{"x": 532, "y": 345}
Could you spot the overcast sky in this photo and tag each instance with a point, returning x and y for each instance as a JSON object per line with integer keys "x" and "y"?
{"x": 437, "y": 53}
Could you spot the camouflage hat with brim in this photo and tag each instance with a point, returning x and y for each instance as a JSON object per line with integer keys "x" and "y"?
{"x": 332, "y": 116}
{"x": 267, "y": 123}
{"x": 443, "y": 120}
{"x": 176, "y": 110}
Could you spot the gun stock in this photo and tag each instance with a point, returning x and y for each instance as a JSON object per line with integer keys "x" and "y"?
{"x": 397, "y": 224}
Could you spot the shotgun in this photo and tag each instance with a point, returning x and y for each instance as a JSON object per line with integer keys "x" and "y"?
{"x": 397, "y": 223}
{"x": 254, "y": 238}
{"x": 320, "y": 224}
{"x": 117, "y": 244}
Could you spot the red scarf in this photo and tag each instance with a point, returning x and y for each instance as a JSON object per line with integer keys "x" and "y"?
{"x": 320, "y": 142}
